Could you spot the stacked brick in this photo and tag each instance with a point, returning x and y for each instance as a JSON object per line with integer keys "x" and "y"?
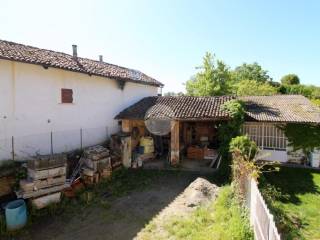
{"x": 97, "y": 164}
{"x": 46, "y": 177}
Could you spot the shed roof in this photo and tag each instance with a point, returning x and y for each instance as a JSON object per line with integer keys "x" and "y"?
{"x": 177, "y": 107}
{"x": 279, "y": 108}
{"x": 48, "y": 58}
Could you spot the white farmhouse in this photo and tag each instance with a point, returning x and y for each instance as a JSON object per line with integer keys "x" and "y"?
{"x": 48, "y": 96}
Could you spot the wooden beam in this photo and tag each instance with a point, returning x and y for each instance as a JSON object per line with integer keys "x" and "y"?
{"x": 126, "y": 126}
{"x": 175, "y": 143}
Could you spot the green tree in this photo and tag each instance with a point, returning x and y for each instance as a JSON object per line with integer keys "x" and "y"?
{"x": 252, "y": 87}
{"x": 290, "y": 79}
{"x": 250, "y": 72}
{"x": 212, "y": 79}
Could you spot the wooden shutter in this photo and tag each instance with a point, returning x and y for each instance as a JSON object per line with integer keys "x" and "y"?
{"x": 66, "y": 95}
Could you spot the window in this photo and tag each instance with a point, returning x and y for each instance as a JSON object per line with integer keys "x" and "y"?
{"x": 66, "y": 95}
{"x": 266, "y": 135}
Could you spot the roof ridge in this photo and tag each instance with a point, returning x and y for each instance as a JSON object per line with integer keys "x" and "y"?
{"x": 20, "y": 53}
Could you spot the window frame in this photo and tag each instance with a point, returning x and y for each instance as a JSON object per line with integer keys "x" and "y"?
{"x": 267, "y": 136}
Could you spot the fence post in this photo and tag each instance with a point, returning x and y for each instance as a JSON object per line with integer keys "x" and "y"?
{"x": 81, "y": 139}
{"x": 12, "y": 147}
{"x": 51, "y": 143}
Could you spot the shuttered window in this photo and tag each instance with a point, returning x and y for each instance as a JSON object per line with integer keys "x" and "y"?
{"x": 66, "y": 95}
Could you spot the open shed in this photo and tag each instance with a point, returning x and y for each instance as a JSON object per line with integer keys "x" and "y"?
{"x": 192, "y": 123}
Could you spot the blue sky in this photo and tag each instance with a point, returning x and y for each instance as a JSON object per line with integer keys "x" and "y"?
{"x": 167, "y": 39}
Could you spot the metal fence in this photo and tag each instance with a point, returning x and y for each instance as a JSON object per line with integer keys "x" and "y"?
{"x": 25, "y": 147}
{"x": 260, "y": 217}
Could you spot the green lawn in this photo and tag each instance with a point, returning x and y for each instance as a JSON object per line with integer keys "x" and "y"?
{"x": 293, "y": 195}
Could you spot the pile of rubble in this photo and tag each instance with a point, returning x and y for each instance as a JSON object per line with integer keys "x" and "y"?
{"x": 97, "y": 164}
{"x": 46, "y": 177}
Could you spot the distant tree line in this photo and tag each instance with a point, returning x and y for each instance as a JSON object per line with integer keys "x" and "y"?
{"x": 215, "y": 78}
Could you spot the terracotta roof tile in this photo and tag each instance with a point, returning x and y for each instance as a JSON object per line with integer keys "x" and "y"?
{"x": 27, "y": 54}
{"x": 279, "y": 108}
{"x": 182, "y": 108}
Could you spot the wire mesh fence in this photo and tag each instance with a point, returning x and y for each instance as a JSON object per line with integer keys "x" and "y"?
{"x": 26, "y": 147}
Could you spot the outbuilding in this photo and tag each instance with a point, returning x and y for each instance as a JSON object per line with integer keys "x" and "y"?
{"x": 194, "y": 122}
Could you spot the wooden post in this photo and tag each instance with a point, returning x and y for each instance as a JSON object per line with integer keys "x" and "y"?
{"x": 126, "y": 126}
{"x": 12, "y": 147}
{"x": 51, "y": 143}
{"x": 81, "y": 141}
{"x": 175, "y": 143}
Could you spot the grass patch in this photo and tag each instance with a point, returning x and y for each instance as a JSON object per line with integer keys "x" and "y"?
{"x": 222, "y": 219}
{"x": 293, "y": 195}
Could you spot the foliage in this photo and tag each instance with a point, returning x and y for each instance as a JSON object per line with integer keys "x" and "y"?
{"x": 222, "y": 219}
{"x": 245, "y": 146}
{"x": 293, "y": 196}
{"x": 230, "y": 129}
{"x": 290, "y": 79}
{"x": 255, "y": 88}
{"x": 316, "y": 102}
{"x": 253, "y": 72}
{"x": 245, "y": 163}
{"x": 211, "y": 80}
{"x": 227, "y": 130}
{"x": 308, "y": 91}
{"x": 302, "y": 136}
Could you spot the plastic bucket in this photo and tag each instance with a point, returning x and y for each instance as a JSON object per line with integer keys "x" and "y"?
{"x": 16, "y": 214}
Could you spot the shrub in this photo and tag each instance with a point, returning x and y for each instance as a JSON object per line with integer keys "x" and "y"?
{"x": 244, "y": 146}
{"x": 290, "y": 79}
{"x": 228, "y": 130}
{"x": 252, "y": 87}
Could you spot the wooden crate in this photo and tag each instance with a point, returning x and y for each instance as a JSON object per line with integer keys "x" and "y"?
{"x": 49, "y": 182}
{"x": 46, "y": 173}
{"x": 44, "y": 201}
{"x": 40, "y": 192}
{"x": 195, "y": 152}
{"x": 47, "y": 161}
{"x": 6, "y": 184}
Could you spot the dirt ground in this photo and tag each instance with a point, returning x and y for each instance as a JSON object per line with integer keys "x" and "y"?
{"x": 199, "y": 193}
{"x": 122, "y": 219}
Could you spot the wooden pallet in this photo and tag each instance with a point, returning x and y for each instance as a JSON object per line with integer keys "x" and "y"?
{"x": 47, "y": 161}
{"x": 40, "y": 192}
{"x": 46, "y": 173}
{"x": 44, "y": 201}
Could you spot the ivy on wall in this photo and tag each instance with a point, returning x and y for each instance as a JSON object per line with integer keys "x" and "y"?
{"x": 228, "y": 130}
{"x": 302, "y": 136}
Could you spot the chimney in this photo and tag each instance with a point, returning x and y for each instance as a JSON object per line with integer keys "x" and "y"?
{"x": 74, "y": 51}
{"x": 100, "y": 58}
